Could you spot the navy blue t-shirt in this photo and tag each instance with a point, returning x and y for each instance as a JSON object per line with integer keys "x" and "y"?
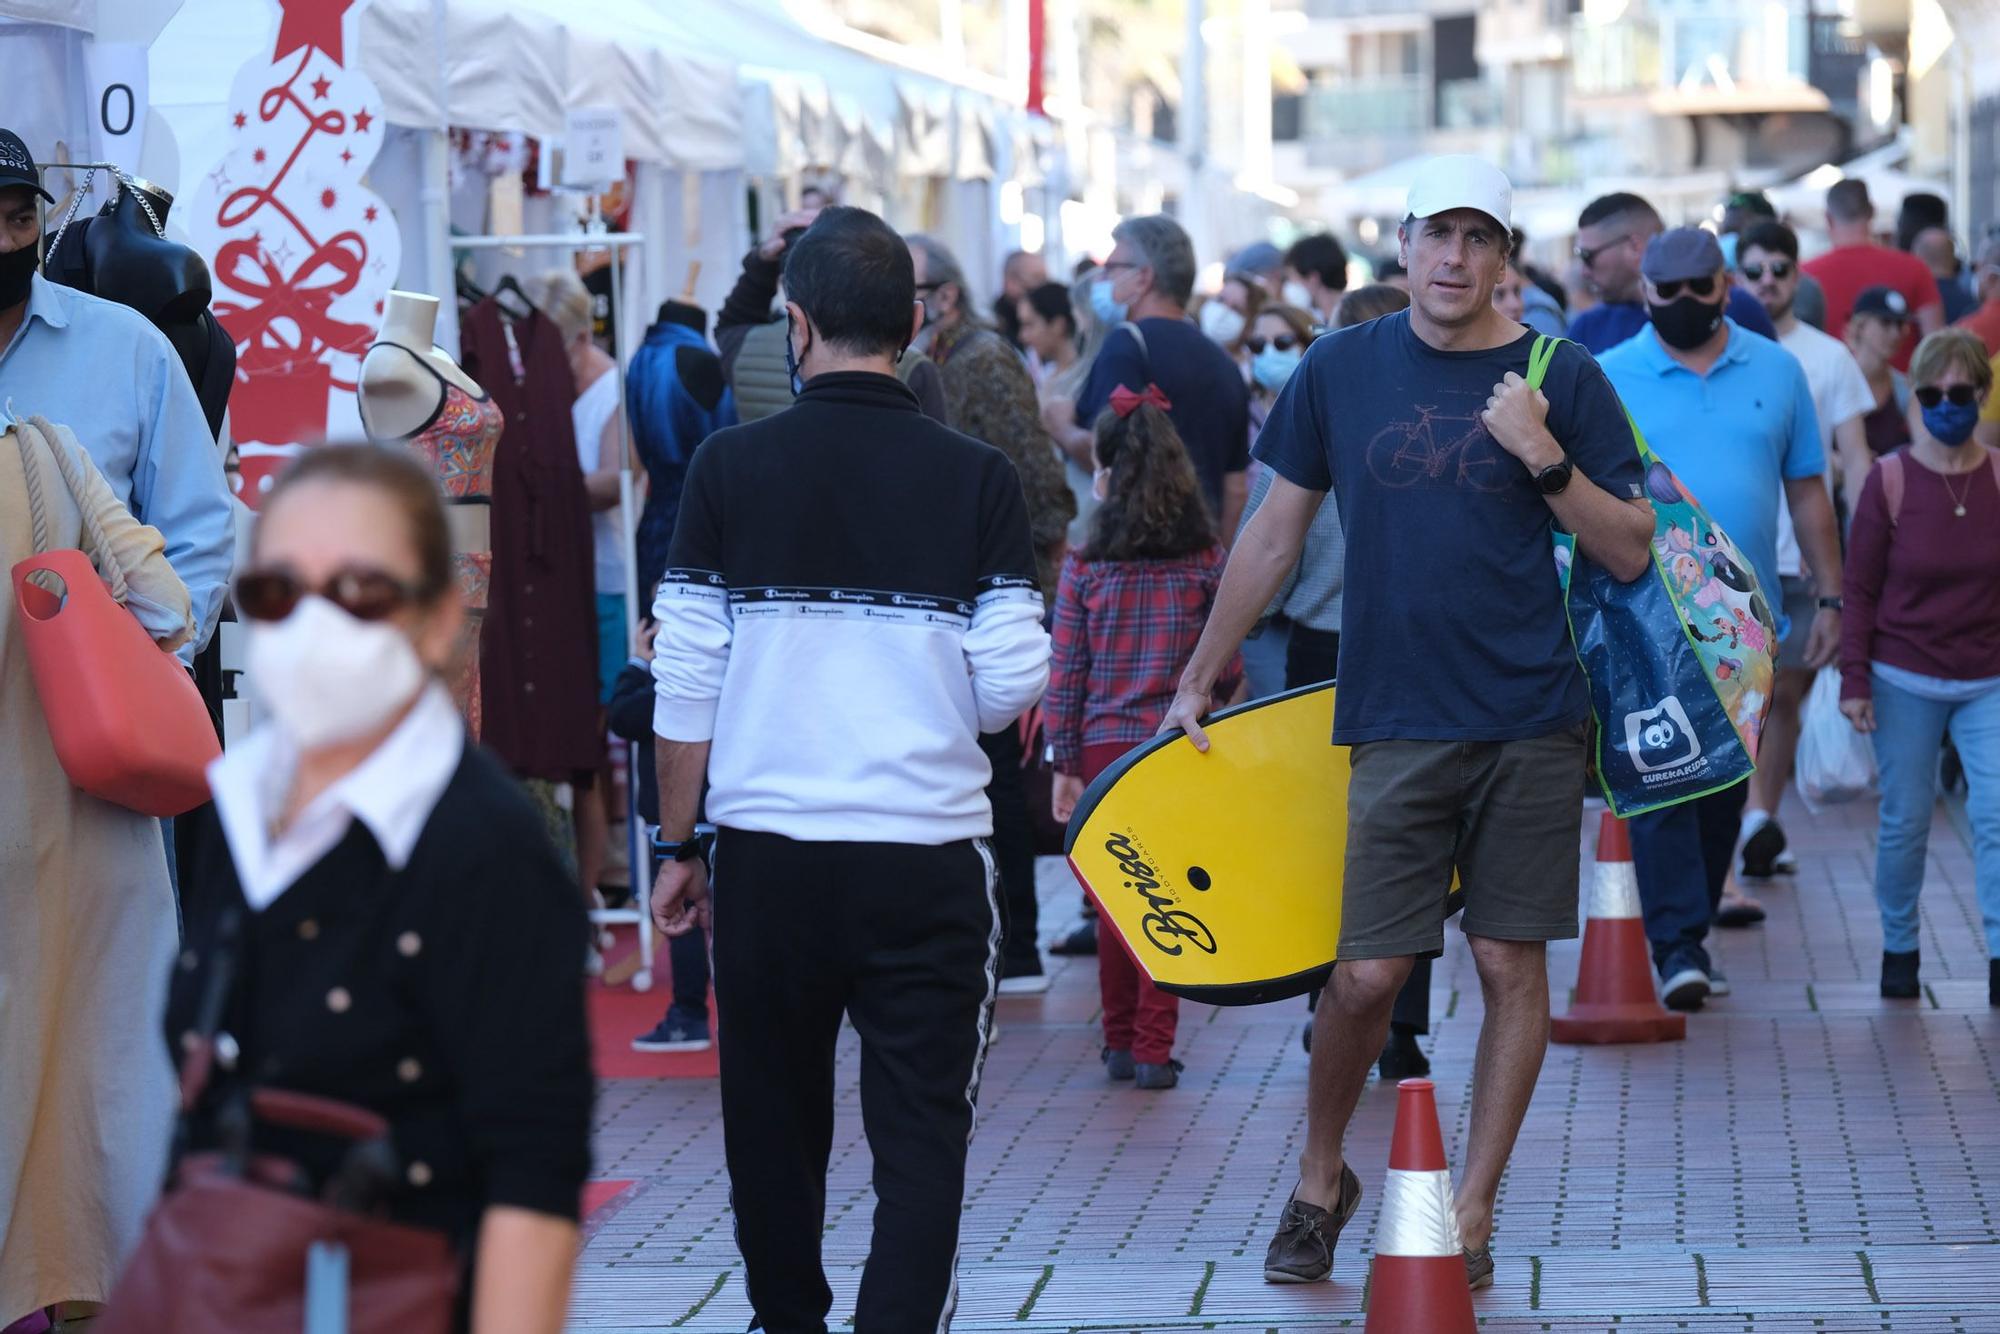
{"x": 1604, "y": 327}
{"x": 1452, "y": 627}
{"x": 1211, "y": 405}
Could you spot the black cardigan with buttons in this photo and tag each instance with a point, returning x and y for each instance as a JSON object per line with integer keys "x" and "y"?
{"x": 447, "y": 997}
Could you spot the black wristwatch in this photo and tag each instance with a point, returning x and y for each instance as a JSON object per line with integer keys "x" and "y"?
{"x": 1830, "y": 604}
{"x": 686, "y": 850}
{"x": 1554, "y": 479}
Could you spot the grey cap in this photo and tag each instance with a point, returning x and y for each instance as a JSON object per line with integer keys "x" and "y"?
{"x": 1257, "y": 257}
{"x": 1683, "y": 253}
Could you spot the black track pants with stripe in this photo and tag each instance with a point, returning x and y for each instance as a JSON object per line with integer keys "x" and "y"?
{"x": 905, "y": 940}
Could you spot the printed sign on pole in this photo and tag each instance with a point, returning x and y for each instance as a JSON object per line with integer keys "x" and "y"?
{"x": 594, "y": 148}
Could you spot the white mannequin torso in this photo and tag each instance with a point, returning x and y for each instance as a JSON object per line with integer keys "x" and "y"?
{"x": 404, "y": 373}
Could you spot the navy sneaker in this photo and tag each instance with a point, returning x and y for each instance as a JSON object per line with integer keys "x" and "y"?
{"x": 682, "y": 1030}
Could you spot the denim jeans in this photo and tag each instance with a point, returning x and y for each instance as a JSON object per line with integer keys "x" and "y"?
{"x": 1681, "y": 856}
{"x": 1909, "y": 731}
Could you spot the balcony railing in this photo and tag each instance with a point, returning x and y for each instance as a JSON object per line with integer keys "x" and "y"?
{"x": 1369, "y": 106}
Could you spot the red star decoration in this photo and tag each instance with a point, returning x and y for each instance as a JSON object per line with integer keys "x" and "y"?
{"x": 239, "y": 120}
{"x": 257, "y": 156}
{"x": 370, "y": 213}
{"x": 327, "y": 199}
{"x": 320, "y": 86}
{"x": 346, "y": 156}
{"x": 362, "y": 120}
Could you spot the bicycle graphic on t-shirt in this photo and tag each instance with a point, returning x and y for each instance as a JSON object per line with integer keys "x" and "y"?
{"x": 1425, "y": 451}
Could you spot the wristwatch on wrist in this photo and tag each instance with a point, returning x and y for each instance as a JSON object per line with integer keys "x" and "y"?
{"x": 1554, "y": 479}
{"x": 1830, "y": 604}
{"x": 683, "y": 850}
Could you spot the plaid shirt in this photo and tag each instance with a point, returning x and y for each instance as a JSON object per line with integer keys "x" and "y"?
{"x": 1124, "y": 631}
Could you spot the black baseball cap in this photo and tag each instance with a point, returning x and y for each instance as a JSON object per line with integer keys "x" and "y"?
{"x": 17, "y": 165}
{"x": 1884, "y": 303}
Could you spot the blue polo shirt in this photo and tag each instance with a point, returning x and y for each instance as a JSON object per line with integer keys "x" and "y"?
{"x": 1734, "y": 436}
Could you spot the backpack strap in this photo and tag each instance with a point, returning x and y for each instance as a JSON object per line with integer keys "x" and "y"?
{"x": 1892, "y": 484}
{"x": 1139, "y": 337}
{"x": 1540, "y": 357}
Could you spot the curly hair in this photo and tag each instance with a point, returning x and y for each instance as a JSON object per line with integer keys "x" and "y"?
{"x": 1153, "y": 509}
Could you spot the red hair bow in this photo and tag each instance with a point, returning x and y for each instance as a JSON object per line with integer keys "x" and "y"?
{"x": 1124, "y": 402}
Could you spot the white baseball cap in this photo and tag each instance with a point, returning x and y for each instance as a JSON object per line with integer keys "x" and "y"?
{"x": 1460, "y": 180}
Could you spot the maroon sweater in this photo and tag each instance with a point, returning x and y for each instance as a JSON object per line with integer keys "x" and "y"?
{"x": 1923, "y": 594}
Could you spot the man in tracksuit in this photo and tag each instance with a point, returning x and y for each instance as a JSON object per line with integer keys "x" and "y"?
{"x": 850, "y": 600}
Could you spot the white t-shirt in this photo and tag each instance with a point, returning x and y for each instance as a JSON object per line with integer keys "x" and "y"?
{"x": 590, "y": 414}
{"x": 1839, "y": 392}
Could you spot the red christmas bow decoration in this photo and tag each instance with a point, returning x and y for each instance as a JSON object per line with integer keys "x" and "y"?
{"x": 1124, "y": 402}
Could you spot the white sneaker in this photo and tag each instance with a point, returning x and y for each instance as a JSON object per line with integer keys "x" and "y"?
{"x": 1026, "y": 984}
{"x": 1718, "y": 985}
{"x": 1685, "y": 990}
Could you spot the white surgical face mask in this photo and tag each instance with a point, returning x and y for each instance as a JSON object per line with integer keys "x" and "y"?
{"x": 1297, "y": 296}
{"x": 327, "y": 676}
{"x": 1222, "y": 324}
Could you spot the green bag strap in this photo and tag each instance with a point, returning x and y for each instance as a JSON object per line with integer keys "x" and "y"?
{"x": 1539, "y": 357}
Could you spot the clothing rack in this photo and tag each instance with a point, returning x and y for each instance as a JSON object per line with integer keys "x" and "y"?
{"x": 638, "y": 847}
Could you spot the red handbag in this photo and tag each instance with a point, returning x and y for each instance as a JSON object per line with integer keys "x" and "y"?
{"x": 230, "y": 1247}
{"x": 128, "y": 724}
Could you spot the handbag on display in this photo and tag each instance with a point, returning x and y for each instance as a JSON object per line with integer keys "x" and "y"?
{"x": 242, "y": 1242}
{"x": 126, "y": 720}
{"x": 1681, "y": 660}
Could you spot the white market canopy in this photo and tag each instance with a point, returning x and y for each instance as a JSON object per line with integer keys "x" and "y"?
{"x": 524, "y": 64}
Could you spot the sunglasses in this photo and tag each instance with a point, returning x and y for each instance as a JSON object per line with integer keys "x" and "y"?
{"x": 1703, "y": 286}
{"x": 1780, "y": 269}
{"x": 1961, "y": 395}
{"x": 1283, "y": 343}
{"x": 1589, "y": 256}
{"x": 364, "y": 594}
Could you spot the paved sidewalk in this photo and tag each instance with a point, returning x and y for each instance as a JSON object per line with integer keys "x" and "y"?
{"x": 1812, "y": 1158}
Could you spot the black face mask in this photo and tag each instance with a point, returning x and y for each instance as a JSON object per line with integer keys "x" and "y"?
{"x": 1686, "y": 323}
{"x": 792, "y": 362}
{"x": 17, "y": 272}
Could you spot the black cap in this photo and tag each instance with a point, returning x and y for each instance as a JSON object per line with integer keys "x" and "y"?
{"x": 17, "y": 165}
{"x": 1884, "y": 303}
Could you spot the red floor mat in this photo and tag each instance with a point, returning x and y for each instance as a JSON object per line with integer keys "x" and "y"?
{"x": 619, "y": 1014}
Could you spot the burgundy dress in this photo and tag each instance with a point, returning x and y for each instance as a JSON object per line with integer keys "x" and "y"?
{"x": 538, "y": 648}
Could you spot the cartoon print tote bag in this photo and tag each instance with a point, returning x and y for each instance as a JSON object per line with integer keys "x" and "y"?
{"x": 1680, "y": 660}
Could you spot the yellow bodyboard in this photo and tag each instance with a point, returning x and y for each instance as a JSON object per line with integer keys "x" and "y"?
{"x": 1223, "y": 870}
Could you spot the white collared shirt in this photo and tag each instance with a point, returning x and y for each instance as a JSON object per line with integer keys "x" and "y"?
{"x": 392, "y": 792}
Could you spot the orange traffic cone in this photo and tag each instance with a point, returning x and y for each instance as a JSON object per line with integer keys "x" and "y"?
{"x": 1615, "y": 999}
{"x": 1418, "y": 1284}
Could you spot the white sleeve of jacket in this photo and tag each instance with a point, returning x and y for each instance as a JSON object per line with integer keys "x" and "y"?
{"x": 1007, "y": 651}
{"x": 691, "y": 652}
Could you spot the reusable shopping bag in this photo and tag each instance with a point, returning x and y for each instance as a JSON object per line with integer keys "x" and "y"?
{"x": 1681, "y": 660}
{"x": 1835, "y": 762}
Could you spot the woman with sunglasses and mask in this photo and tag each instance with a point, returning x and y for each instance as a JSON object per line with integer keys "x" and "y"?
{"x": 1920, "y": 646}
{"x": 393, "y": 927}
{"x": 1273, "y": 348}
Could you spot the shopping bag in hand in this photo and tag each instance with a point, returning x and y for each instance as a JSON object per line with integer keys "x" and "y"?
{"x": 1681, "y": 660}
{"x": 1835, "y": 762}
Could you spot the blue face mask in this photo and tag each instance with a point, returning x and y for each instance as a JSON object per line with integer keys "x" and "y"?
{"x": 1951, "y": 423}
{"x": 1271, "y": 368}
{"x": 1109, "y": 312}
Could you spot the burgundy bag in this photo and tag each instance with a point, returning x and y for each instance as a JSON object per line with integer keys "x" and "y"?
{"x": 226, "y": 1248}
